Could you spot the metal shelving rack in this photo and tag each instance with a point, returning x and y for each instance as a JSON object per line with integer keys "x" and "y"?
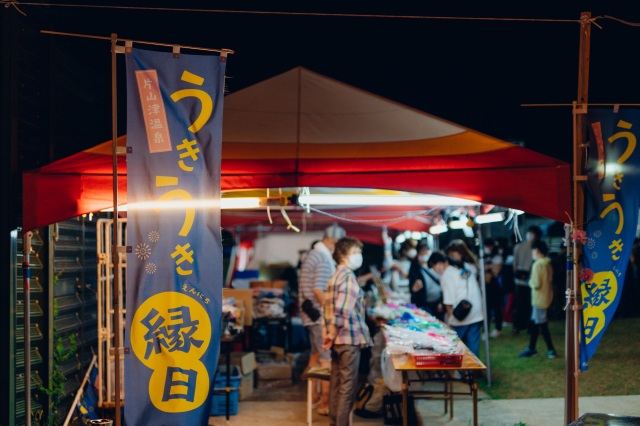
{"x": 63, "y": 286}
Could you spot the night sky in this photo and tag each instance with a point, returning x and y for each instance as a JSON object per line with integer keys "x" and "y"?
{"x": 476, "y": 73}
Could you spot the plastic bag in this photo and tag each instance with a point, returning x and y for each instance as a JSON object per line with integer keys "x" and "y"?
{"x": 392, "y": 377}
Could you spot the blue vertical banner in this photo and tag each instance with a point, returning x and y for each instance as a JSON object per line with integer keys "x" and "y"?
{"x": 611, "y": 206}
{"x": 174, "y": 271}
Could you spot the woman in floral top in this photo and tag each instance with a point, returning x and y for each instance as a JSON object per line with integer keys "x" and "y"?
{"x": 345, "y": 331}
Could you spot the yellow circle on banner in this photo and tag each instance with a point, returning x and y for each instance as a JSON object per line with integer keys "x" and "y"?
{"x": 596, "y": 297}
{"x": 170, "y": 332}
{"x": 177, "y": 390}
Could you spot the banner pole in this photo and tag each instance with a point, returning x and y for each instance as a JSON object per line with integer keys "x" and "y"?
{"x": 114, "y": 250}
{"x": 575, "y": 298}
{"x": 150, "y": 43}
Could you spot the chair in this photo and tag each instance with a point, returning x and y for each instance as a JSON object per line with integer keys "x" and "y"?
{"x": 318, "y": 373}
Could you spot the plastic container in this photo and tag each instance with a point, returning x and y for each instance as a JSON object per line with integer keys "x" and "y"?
{"x": 219, "y": 397}
{"x": 443, "y": 360}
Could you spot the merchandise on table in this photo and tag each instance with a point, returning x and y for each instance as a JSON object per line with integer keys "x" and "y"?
{"x": 414, "y": 332}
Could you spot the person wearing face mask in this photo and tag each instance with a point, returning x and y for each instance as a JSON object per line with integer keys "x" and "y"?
{"x": 459, "y": 281}
{"x": 400, "y": 267}
{"x": 345, "y": 331}
{"x": 424, "y": 281}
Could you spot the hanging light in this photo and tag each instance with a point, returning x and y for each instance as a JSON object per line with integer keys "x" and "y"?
{"x": 438, "y": 229}
{"x": 382, "y": 200}
{"x": 489, "y": 218}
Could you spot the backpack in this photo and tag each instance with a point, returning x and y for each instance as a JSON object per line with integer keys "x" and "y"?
{"x": 369, "y": 401}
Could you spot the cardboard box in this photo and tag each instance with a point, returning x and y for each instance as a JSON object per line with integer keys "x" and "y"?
{"x": 275, "y": 353}
{"x": 246, "y": 362}
{"x": 281, "y": 284}
{"x": 277, "y": 383}
{"x": 246, "y": 385}
{"x": 274, "y": 371}
{"x": 247, "y": 302}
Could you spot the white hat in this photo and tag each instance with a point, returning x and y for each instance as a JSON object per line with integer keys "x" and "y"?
{"x": 334, "y": 231}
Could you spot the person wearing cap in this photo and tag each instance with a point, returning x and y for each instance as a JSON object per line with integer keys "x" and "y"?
{"x": 315, "y": 271}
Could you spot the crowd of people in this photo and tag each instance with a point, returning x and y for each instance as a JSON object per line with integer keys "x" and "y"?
{"x": 524, "y": 289}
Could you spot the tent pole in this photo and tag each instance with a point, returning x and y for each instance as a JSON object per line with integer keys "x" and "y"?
{"x": 114, "y": 249}
{"x": 574, "y": 302}
{"x": 483, "y": 288}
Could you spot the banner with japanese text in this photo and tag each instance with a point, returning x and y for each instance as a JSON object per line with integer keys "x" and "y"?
{"x": 612, "y": 198}
{"x": 174, "y": 271}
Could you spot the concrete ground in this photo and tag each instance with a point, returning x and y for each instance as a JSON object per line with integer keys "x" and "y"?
{"x": 519, "y": 412}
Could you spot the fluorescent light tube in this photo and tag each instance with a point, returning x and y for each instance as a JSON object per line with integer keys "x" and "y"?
{"x": 489, "y": 218}
{"x": 382, "y": 200}
{"x": 225, "y": 203}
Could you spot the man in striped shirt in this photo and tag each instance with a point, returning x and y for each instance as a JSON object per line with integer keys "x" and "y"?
{"x": 317, "y": 268}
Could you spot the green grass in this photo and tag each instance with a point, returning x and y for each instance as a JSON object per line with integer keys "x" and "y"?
{"x": 613, "y": 370}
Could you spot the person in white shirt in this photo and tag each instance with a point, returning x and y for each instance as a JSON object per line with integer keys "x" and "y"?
{"x": 400, "y": 267}
{"x": 459, "y": 281}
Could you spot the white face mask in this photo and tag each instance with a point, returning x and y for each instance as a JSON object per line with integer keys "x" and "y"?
{"x": 423, "y": 258}
{"x": 412, "y": 253}
{"x": 355, "y": 261}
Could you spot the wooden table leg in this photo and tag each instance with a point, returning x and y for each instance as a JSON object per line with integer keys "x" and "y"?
{"x": 309, "y": 400}
{"x": 450, "y": 385}
{"x": 446, "y": 397}
{"x": 405, "y": 397}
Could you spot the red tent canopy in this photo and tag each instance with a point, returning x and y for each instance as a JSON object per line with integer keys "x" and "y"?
{"x": 302, "y": 129}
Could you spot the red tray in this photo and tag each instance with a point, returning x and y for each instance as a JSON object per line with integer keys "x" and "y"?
{"x": 442, "y": 360}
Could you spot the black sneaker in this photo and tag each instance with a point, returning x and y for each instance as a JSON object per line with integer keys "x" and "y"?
{"x": 528, "y": 353}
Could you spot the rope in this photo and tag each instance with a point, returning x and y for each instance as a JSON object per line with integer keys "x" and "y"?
{"x": 287, "y": 13}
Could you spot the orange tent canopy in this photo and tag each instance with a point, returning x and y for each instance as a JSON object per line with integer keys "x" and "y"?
{"x": 303, "y": 129}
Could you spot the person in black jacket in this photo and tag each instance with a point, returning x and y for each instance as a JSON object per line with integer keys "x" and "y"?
{"x": 424, "y": 281}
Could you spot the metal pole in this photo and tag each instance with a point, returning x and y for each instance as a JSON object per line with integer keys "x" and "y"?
{"x": 114, "y": 251}
{"x": 574, "y": 302}
{"x": 570, "y": 402}
{"x": 26, "y": 250}
{"x": 483, "y": 288}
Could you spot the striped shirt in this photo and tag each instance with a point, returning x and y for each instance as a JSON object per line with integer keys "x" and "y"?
{"x": 344, "y": 308}
{"x": 316, "y": 270}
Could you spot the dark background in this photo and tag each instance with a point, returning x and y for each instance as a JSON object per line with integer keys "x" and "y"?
{"x": 55, "y": 91}
{"x": 476, "y": 73}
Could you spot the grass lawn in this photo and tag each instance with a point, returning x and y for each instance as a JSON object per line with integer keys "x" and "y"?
{"x": 613, "y": 370}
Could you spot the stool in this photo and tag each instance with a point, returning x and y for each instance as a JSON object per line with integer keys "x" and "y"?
{"x": 317, "y": 373}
